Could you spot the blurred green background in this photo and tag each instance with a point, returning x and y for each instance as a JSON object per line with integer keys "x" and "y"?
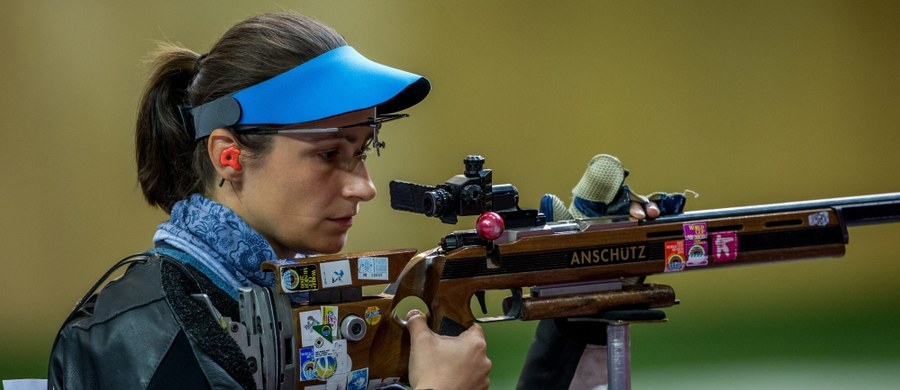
{"x": 744, "y": 102}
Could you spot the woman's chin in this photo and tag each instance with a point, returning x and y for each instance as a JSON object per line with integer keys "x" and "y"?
{"x": 331, "y": 246}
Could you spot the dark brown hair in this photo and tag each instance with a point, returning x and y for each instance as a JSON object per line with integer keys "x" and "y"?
{"x": 171, "y": 164}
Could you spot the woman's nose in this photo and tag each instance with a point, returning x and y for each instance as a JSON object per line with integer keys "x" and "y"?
{"x": 360, "y": 185}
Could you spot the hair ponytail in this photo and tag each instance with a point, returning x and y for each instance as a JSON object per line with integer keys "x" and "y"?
{"x": 164, "y": 147}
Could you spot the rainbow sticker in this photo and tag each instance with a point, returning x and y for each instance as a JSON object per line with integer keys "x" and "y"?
{"x": 290, "y": 279}
{"x": 300, "y": 278}
{"x": 674, "y": 256}
{"x": 695, "y": 243}
{"x": 307, "y": 364}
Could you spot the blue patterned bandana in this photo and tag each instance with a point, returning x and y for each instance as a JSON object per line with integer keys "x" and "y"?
{"x": 221, "y": 244}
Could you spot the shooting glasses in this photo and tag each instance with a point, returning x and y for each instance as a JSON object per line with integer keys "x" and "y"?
{"x": 374, "y": 123}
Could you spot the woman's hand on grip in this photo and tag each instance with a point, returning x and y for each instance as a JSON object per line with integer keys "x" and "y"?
{"x": 446, "y": 362}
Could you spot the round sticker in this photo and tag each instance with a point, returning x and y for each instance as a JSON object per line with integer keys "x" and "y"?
{"x": 290, "y": 279}
{"x": 373, "y": 315}
{"x": 325, "y": 366}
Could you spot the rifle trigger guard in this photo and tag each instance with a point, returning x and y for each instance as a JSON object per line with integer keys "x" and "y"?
{"x": 512, "y": 308}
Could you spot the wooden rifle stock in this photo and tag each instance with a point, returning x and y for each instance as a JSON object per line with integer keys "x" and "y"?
{"x": 603, "y": 249}
{"x": 563, "y": 265}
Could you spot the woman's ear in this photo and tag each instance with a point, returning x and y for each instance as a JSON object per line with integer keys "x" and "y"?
{"x": 225, "y": 154}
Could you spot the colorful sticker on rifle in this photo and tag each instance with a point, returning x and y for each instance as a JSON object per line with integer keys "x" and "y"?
{"x": 373, "y": 315}
{"x": 290, "y": 280}
{"x": 819, "y": 219}
{"x": 300, "y": 278}
{"x": 323, "y": 353}
{"x": 330, "y": 317}
{"x": 674, "y": 256}
{"x": 694, "y": 231}
{"x": 307, "y": 364}
{"x": 325, "y": 366}
{"x": 726, "y": 246}
{"x": 696, "y": 252}
{"x": 372, "y": 268}
{"x": 695, "y": 243}
{"x": 358, "y": 380}
{"x": 336, "y": 273}
{"x": 326, "y": 331}
{"x": 308, "y": 320}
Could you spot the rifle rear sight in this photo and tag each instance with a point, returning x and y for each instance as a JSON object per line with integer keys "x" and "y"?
{"x": 471, "y": 193}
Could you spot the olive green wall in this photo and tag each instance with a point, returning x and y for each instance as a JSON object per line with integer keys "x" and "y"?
{"x": 743, "y": 102}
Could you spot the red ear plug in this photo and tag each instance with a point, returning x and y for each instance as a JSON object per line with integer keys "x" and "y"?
{"x": 229, "y": 157}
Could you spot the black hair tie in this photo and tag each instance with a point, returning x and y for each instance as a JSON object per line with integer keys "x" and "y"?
{"x": 197, "y": 63}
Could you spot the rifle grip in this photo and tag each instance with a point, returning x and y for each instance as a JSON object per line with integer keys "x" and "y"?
{"x": 450, "y": 313}
{"x": 450, "y": 328}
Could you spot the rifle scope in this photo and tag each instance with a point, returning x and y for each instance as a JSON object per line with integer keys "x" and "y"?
{"x": 471, "y": 193}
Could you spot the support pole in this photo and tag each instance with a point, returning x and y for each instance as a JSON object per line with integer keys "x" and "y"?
{"x": 618, "y": 355}
{"x": 618, "y": 343}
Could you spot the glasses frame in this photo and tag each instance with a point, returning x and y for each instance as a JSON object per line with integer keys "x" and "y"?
{"x": 375, "y": 123}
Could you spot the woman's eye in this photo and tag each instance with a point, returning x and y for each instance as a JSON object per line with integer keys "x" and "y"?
{"x": 329, "y": 155}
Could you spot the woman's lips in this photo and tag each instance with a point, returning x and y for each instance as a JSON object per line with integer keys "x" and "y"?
{"x": 345, "y": 222}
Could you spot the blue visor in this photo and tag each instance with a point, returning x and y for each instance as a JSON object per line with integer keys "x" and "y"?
{"x": 336, "y": 82}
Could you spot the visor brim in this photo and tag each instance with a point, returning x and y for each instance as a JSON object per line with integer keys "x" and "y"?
{"x": 334, "y": 83}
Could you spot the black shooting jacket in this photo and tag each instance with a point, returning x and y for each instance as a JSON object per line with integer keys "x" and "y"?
{"x": 144, "y": 331}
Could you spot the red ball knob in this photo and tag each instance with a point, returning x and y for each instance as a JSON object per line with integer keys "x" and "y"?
{"x": 490, "y": 226}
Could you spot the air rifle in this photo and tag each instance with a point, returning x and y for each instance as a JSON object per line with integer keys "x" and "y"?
{"x": 318, "y": 326}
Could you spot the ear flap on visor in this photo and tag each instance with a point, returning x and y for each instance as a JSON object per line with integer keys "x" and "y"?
{"x": 336, "y": 82}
